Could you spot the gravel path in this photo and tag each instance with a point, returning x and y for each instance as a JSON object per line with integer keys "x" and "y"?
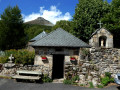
{"x": 7, "y": 84}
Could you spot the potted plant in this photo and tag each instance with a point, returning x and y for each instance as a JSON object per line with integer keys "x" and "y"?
{"x": 44, "y": 57}
{"x": 72, "y": 58}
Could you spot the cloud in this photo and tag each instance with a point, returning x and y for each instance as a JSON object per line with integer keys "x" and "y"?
{"x": 53, "y": 15}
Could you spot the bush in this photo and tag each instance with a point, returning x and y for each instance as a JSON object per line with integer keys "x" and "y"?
{"x": 75, "y": 78}
{"x": 46, "y": 78}
{"x": 22, "y": 56}
{"x": 107, "y": 74}
{"x": 107, "y": 79}
{"x": 67, "y": 81}
{"x": 81, "y": 85}
{"x": 100, "y": 86}
{"x": 91, "y": 85}
{"x": 72, "y": 80}
{"x": 3, "y": 59}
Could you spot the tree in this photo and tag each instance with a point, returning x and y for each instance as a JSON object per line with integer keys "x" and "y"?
{"x": 33, "y": 30}
{"x": 66, "y": 25}
{"x": 112, "y": 21}
{"x": 11, "y": 29}
{"x": 87, "y": 14}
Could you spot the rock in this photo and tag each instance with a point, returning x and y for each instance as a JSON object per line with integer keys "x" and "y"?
{"x": 95, "y": 81}
{"x": 89, "y": 78}
{"x": 82, "y": 77}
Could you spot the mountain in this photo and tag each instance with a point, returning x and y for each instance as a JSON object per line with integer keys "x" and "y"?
{"x": 40, "y": 21}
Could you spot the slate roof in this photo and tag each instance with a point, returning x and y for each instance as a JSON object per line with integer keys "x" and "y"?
{"x": 60, "y": 38}
{"x": 39, "y": 36}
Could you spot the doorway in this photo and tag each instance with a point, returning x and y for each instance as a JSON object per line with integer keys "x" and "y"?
{"x": 102, "y": 41}
{"x": 58, "y": 67}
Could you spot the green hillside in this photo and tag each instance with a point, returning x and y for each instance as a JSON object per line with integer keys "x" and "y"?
{"x": 33, "y": 30}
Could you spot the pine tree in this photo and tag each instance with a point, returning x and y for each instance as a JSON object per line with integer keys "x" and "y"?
{"x": 11, "y": 29}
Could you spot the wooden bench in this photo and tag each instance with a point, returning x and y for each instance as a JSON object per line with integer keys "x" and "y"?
{"x": 27, "y": 75}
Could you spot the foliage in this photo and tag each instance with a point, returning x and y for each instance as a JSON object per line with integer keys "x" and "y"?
{"x": 81, "y": 85}
{"x": 22, "y": 56}
{"x": 75, "y": 78}
{"x": 4, "y": 59}
{"x": 6, "y": 77}
{"x": 100, "y": 86}
{"x": 111, "y": 21}
{"x": 11, "y": 29}
{"x": 107, "y": 79}
{"x": 91, "y": 85}
{"x": 33, "y": 30}
{"x": 85, "y": 52}
{"x": 66, "y": 25}
{"x": 71, "y": 80}
{"x": 67, "y": 81}
{"x": 46, "y": 78}
{"x": 107, "y": 74}
{"x": 87, "y": 14}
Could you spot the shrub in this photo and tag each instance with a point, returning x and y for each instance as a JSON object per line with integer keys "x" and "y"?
{"x": 72, "y": 80}
{"x": 112, "y": 80}
{"x": 100, "y": 86}
{"x": 107, "y": 74}
{"x": 22, "y": 56}
{"x": 3, "y": 59}
{"x": 46, "y": 78}
{"x": 67, "y": 81}
{"x": 91, "y": 85}
{"x": 105, "y": 81}
{"x": 75, "y": 78}
{"x": 81, "y": 85}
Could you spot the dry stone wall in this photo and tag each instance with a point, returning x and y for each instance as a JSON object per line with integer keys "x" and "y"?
{"x": 94, "y": 67}
{"x": 107, "y": 60}
{"x": 12, "y": 71}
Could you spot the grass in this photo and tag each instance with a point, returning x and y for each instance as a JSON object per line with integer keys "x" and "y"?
{"x": 6, "y": 77}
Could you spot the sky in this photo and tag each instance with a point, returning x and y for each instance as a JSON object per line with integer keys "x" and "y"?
{"x": 52, "y": 10}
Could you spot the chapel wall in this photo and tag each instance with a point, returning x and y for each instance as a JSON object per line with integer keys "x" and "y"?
{"x": 94, "y": 40}
{"x": 39, "y": 52}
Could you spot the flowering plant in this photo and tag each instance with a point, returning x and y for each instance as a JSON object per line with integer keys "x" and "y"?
{"x": 44, "y": 57}
{"x": 72, "y": 58}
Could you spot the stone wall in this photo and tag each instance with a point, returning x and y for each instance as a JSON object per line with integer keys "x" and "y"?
{"x": 12, "y": 71}
{"x": 108, "y": 60}
{"x": 94, "y": 67}
{"x": 49, "y": 52}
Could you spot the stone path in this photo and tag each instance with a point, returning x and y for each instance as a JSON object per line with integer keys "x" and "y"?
{"x": 6, "y": 84}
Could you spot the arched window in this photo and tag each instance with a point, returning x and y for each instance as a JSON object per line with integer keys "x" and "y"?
{"x": 102, "y": 41}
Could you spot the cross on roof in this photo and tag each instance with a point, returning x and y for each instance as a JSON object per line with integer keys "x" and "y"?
{"x": 100, "y": 24}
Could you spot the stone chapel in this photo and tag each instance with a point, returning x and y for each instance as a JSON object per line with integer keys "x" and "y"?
{"x": 101, "y": 38}
{"x": 56, "y": 50}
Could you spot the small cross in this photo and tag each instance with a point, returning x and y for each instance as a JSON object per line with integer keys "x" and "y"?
{"x": 100, "y": 24}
